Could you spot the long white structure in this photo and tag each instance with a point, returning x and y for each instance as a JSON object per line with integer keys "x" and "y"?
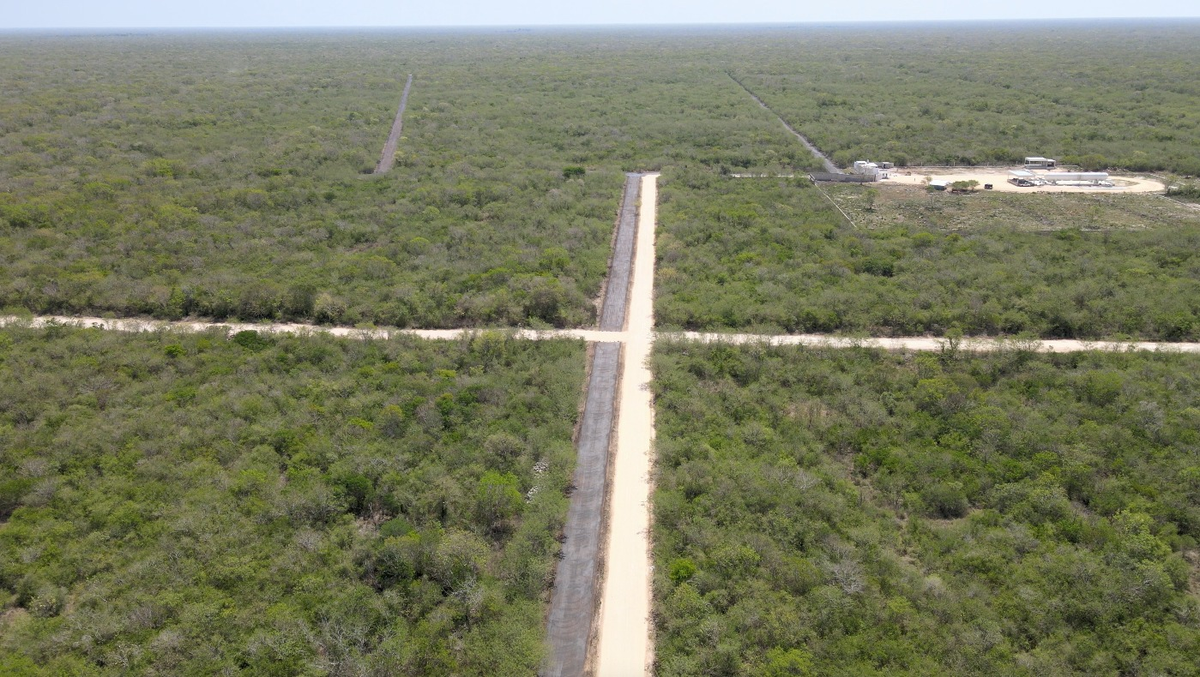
{"x": 1076, "y": 177}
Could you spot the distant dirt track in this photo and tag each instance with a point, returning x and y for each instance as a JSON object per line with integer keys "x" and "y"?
{"x": 389, "y": 149}
{"x": 812, "y": 148}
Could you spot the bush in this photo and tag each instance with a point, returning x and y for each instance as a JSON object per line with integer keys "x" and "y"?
{"x": 844, "y": 518}
{"x": 245, "y": 475}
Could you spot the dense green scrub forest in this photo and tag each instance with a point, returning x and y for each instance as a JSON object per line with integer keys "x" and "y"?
{"x": 881, "y": 205}
{"x": 227, "y": 175}
{"x": 861, "y": 512}
{"x": 1097, "y": 94}
{"x": 200, "y": 504}
{"x": 774, "y": 255}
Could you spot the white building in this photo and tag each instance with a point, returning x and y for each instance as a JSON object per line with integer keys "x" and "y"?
{"x": 866, "y": 168}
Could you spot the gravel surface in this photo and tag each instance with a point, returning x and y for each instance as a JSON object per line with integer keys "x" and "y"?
{"x": 573, "y": 603}
{"x": 616, "y": 290}
{"x": 998, "y": 178}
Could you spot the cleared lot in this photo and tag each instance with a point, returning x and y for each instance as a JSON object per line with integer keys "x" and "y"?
{"x": 998, "y": 177}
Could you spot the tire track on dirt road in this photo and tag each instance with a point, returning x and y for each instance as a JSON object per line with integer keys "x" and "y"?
{"x": 389, "y": 149}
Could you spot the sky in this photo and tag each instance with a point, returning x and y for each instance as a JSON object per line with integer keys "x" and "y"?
{"x": 404, "y": 13}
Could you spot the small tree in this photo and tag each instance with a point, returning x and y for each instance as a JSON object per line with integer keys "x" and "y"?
{"x": 573, "y": 172}
{"x": 870, "y": 195}
{"x": 787, "y": 662}
{"x": 498, "y": 499}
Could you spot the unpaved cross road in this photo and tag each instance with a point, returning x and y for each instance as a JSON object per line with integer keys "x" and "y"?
{"x": 135, "y": 325}
{"x": 928, "y": 343}
{"x": 389, "y": 149}
{"x": 624, "y": 638}
{"x": 913, "y": 343}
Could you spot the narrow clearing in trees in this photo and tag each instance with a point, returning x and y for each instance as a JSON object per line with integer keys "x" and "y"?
{"x": 825, "y": 161}
{"x": 914, "y": 343}
{"x": 388, "y": 158}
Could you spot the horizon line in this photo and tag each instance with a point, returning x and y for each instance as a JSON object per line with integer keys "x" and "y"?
{"x": 723, "y": 24}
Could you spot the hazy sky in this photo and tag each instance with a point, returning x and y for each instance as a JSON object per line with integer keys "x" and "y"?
{"x": 259, "y": 13}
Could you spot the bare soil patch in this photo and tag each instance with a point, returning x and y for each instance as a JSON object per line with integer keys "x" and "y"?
{"x": 998, "y": 177}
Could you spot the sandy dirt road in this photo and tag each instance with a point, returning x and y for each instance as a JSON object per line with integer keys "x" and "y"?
{"x": 388, "y": 157}
{"x": 927, "y": 344}
{"x": 998, "y": 177}
{"x": 914, "y": 343}
{"x": 138, "y": 325}
{"x": 624, "y": 646}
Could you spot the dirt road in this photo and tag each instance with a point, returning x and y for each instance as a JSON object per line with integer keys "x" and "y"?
{"x": 388, "y": 158}
{"x": 927, "y": 344}
{"x": 914, "y": 343}
{"x": 136, "y": 325}
{"x": 573, "y": 604}
{"x": 624, "y": 646}
{"x": 998, "y": 177}
{"x": 919, "y": 343}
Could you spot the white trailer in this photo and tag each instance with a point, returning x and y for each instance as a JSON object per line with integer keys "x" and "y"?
{"x": 1039, "y": 162}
